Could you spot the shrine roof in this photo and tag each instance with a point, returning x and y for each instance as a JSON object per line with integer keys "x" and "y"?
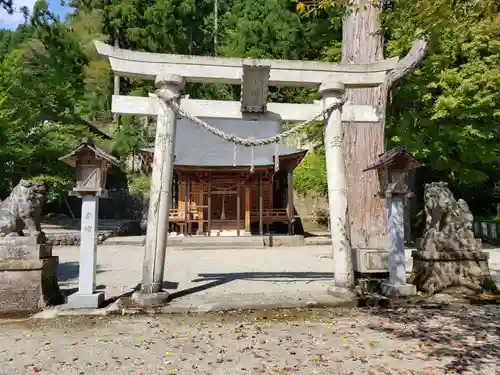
{"x": 196, "y": 147}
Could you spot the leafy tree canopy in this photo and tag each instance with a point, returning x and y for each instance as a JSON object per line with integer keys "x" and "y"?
{"x": 53, "y": 88}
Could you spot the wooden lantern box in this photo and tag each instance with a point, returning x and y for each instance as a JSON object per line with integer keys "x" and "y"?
{"x": 91, "y": 163}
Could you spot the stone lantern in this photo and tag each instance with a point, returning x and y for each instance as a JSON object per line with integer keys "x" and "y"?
{"x": 91, "y": 163}
{"x": 393, "y": 167}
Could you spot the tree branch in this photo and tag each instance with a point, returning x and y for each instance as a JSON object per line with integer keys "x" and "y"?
{"x": 404, "y": 67}
{"x": 408, "y": 63}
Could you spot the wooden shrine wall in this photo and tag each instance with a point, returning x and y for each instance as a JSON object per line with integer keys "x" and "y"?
{"x": 198, "y": 199}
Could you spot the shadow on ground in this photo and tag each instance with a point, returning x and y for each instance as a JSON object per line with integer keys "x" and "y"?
{"x": 216, "y": 279}
{"x": 469, "y": 336}
{"x": 70, "y": 270}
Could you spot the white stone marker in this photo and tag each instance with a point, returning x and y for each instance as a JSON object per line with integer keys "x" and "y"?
{"x": 86, "y": 297}
{"x": 337, "y": 199}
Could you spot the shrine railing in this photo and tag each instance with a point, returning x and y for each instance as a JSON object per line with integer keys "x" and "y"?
{"x": 277, "y": 213}
{"x": 177, "y": 214}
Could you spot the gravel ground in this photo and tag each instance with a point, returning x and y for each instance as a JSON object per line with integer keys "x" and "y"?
{"x": 209, "y": 276}
{"x": 305, "y": 342}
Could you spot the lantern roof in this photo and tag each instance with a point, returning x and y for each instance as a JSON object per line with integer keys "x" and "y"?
{"x": 90, "y": 145}
{"x": 397, "y": 158}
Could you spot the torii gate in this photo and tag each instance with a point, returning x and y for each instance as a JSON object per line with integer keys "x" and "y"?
{"x": 170, "y": 73}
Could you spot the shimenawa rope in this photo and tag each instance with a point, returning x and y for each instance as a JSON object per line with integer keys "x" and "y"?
{"x": 172, "y": 101}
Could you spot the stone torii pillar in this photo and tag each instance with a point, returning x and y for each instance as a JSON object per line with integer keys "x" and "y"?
{"x": 331, "y": 92}
{"x": 151, "y": 293}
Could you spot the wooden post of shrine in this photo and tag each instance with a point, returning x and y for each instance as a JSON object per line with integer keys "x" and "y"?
{"x": 290, "y": 201}
{"x": 200, "y": 211}
{"x": 247, "y": 209}
{"x": 151, "y": 293}
{"x": 238, "y": 205}
{"x": 209, "y": 204}
{"x": 190, "y": 200}
{"x": 186, "y": 204}
{"x": 261, "y": 207}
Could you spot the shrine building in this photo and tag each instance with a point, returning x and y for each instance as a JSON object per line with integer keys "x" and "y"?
{"x": 223, "y": 189}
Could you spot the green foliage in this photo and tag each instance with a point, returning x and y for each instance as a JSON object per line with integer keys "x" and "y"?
{"x": 139, "y": 182}
{"x": 446, "y": 112}
{"x": 271, "y": 29}
{"x": 41, "y": 84}
{"x": 56, "y": 185}
{"x": 131, "y": 137}
{"x": 310, "y": 175}
{"x": 54, "y": 89}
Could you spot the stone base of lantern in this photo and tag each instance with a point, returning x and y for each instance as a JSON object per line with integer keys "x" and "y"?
{"x": 435, "y": 272}
{"x": 85, "y": 301}
{"x": 398, "y": 290}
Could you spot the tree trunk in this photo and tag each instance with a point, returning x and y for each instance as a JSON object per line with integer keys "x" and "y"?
{"x": 362, "y": 42}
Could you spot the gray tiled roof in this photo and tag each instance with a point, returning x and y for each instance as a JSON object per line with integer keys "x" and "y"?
{"x": 197, "y": 147}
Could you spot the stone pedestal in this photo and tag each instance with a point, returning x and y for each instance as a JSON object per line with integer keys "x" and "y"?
{"x": 435, "y": 272}
{"x": 28, "y": 280}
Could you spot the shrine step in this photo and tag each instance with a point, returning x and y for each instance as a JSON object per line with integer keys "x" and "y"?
{"x": 214, "y": 242}
{"x": 228, "y": 233}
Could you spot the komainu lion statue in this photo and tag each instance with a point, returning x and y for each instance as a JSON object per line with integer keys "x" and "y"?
{"x": 448, "y": 221}
{"x": 22, "y": 209}
{"x": 448, "y": 256}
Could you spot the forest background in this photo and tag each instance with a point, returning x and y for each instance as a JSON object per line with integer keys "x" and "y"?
{"x": 54, "y": 89}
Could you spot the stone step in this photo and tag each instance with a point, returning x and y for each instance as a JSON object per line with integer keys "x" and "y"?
{"x": 213, "y": 242}
{"x": 201, "y": 242}
{"x": 228, "y": 233}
